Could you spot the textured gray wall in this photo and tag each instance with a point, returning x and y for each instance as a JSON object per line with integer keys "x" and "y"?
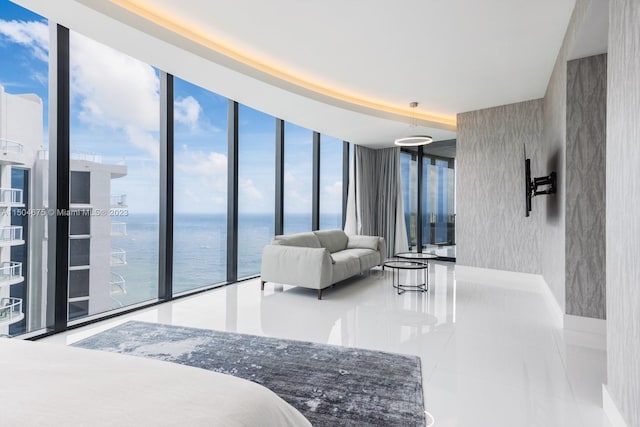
{"x": 553, "y": 157}
{"x": 491, "y": 229}
{"x": 585, "y": 186}
{"x": 623, "y": 208}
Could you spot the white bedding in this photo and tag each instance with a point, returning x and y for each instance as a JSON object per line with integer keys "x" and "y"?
{"x": 51, "y": 385}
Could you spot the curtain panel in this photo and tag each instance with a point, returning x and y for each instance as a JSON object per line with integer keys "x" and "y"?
{"x": 374, "y": 200}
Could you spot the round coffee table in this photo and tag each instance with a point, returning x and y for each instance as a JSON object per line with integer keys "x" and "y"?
{"x": 416, "y": 256}
{"x": 396, "y": 265}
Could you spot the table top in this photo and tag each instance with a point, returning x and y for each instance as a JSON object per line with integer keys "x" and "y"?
{"x": 415, "y": 255}
{"x": 405, "y": 264}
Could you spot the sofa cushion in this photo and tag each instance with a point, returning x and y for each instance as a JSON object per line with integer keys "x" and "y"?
{"x": 304, "y": 240}
{"x": 346, "y": 265}
{"x": 368, "y": 258}
{"x": 363, "y": 242}
{"x": 334, "y": 240}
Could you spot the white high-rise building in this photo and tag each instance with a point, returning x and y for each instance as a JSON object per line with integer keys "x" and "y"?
{"x": 94, "y": 280}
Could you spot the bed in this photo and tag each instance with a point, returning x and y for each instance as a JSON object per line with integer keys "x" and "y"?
{"x": 48, "y": 384}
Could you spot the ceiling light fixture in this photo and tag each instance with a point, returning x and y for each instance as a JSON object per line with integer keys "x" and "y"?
{"x": 415, "y": 140}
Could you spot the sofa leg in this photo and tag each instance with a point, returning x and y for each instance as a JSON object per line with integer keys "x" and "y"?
{"x": 262, "y": 282}
{"x": 319, "y": 293}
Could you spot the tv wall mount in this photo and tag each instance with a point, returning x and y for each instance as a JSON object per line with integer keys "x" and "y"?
{"x": 537, "y": 186}
{"x": 543, "y": 185}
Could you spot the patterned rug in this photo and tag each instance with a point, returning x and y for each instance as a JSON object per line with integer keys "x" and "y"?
{"x": 330, "y": 385}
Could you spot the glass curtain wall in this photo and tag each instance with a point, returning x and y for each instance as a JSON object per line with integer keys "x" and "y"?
{"x": 200, "y": 187}
{"x": 444, "y": 202}
{"x": 409, "y": 176}
{"x": 298, "y": 166}
{"x": 427, "y": 200}
{"x": 256, "y": 187}
{"x": 114, "y": 179}
{"x": 437, "y": 199}
{"x": 330, "y": 182}
{"x": 24, "y": 123}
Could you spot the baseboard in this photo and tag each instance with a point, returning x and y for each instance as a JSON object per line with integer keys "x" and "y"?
{"x": 511, "y": 279}
{"x": 611, "y": 410}
{"x": 585, "y": 324}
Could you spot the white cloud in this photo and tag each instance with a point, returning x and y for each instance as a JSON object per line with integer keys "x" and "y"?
{"x": 334, "y": 190}
{"x": 143, "y": 140}
{"x": 113, "y": 89}
{"x": 187, "y": 111}
{"x": 32, "y": 34}
{"x": 248, "y": 190}
{"x": 289, "y": 178}
{"x": 209, "y": 169}
{"x": 203, "y": 164}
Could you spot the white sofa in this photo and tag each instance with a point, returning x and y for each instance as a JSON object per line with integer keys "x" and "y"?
{"x": 318, "y": 259}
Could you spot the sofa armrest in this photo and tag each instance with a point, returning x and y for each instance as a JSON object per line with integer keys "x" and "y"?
{"x": 382, "y": 248}
{"x": 292, "y": 265}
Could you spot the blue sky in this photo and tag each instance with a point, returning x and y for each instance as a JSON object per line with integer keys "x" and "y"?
{"x": 114, "y": 114}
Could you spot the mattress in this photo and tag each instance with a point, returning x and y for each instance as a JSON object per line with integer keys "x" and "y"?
{"x": 52, "y": 385}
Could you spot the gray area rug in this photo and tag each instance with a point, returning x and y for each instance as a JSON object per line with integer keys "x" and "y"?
{"x": 330, "y": 385}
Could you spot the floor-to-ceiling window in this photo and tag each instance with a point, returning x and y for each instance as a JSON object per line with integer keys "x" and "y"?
{"x": 24, "y": 95}
{"x": 200, "y": 188}
{"x": 409, "y": 176}
{"x": 114, "y": 251}
{"x": 437, "y": 199}
{"x": 330, "y": 182}
{"x": 427, "y": 202}
{"x": 298, "y": 156}
{"x": 442, "y": 201}
{"x": 114, "y": 128}
{"x": 256, "y": 187}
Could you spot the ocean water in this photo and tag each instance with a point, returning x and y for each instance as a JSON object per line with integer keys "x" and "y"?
{"x": 200, "y": 247}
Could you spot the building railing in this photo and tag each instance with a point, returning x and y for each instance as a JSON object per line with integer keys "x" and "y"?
{"x": 118, "y": 200}
{"x": 11, "y": 233}
{"x": 10, "y": 308}
{"x": 10, "y": 270}
{"x": 118, "y": 228}
{"x": 10, "y": 196}
{"x": 118, "y": 281}
{"x": 10, "y": 146}
{"x": 44, "y": 155}
{"x": 118, "y": 257}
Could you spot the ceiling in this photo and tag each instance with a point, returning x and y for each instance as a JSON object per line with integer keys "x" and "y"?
{"x": 345, "y": 68}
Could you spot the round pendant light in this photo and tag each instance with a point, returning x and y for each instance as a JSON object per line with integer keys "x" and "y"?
{"x": 415, "y": 140}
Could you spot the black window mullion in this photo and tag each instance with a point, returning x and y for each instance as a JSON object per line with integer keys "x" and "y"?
{"x": 345, "y": 180}
{"x": 315, "y": 203}
{"x": 165, "y": 276}
{"x": 59, "y": 181}
{"x": 419, "y": 211}
{"x": 232, "y": 193}
{"x": 279, "y": 208}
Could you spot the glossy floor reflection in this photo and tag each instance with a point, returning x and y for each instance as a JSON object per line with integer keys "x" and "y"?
{"x": 491, "y": 353}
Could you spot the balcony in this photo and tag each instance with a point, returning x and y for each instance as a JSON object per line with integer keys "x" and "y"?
{"x": 10, "y": 273}
{"x": 11, "y": 236}
{"x": 119, "y": 201}
{"x": 11, "y": 152}
{"x": 93, "y": 158}
{"x": 118, "y": 229}
{"x": 118, "y": 257}
{"x": 80, "y": 162}
{"x": 11, "y": 197}
{"x": 10, "y": 311}
{"x": 117, "y": 281}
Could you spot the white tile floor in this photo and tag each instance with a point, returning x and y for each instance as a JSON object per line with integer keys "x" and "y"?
{"x": 491, "y": 352}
